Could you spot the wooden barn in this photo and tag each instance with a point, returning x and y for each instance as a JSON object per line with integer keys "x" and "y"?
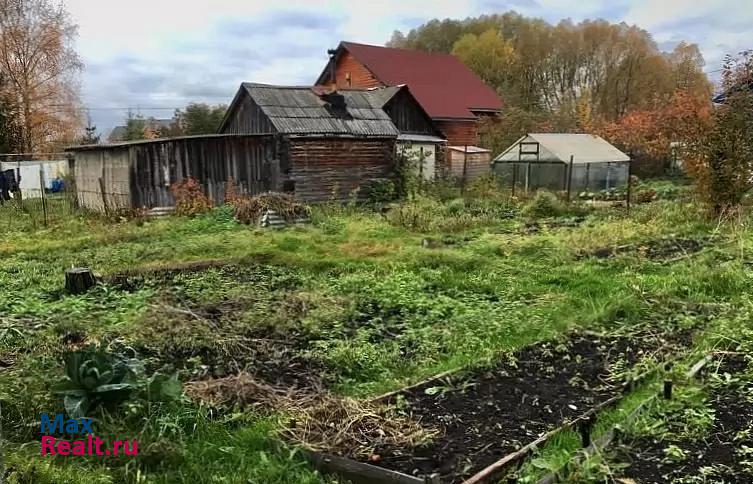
{"x": 139, "y": 174}
{"x": 453, "y": 96}
{"x": 334, "y": 145}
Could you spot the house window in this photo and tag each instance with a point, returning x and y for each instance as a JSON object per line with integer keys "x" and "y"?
{"x": 347, "y": 79}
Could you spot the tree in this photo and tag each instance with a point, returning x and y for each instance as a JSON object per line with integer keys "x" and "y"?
{"x": 687, "y": 70}
{"x": 90, "y": 137}
{"x": 10, "y": 135}
{"x": 200, "y": 118}
{"x": 134, "y": 127}
{"x": 611, "y": 69}
{"x": 721, "y": 160}
{"x": 40, "y": 66}
{"x": 489, "y": 55}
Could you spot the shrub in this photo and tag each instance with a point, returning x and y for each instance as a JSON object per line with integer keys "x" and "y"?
{"x": 543, "y": 204}
{"x": 382, "y": 191}
{"x": 720, "y": 160}
{"x": 190, "y": 198}
{"x": 645, "y": 196}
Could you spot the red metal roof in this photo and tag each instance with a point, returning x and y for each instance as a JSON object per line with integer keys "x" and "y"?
{"x": 443, "y": 85}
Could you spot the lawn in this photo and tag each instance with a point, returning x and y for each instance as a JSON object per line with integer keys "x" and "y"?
{"x": 268, "y": 329}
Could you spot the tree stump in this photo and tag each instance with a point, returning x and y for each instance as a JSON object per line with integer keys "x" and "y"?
{"x": 78, "y": 280}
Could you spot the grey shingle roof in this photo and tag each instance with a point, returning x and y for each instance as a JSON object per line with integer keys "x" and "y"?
{"x": 301, "y": 111}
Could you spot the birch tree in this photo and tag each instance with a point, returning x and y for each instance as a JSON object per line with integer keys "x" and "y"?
{"x": 40, "y": 67}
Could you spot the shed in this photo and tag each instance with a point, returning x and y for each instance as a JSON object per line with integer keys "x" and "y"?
{"x": 468, "y": 162}
{"x": 334, "y": 144}
{"x": 563, "y": 161}
{"x": 139, "y": 174}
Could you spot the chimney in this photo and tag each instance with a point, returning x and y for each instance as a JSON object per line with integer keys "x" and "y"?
{"x": 331, "y": 53}
{"x": 336, "y": 105}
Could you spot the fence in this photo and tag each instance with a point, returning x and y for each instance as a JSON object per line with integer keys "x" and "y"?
{"x": 35, "y": 191}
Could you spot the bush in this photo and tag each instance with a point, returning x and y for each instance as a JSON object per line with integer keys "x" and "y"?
{"x": 543, "y": 204}
{"x": 382, "y": 191}
{"x": 645, "y": 196}
{"x": 190, "y": 198}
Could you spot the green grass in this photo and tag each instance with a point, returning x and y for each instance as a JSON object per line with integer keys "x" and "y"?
{"x": 379, "y": 310}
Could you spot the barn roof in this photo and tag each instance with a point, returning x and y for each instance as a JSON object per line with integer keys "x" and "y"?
{"x": 442, "y": 85}
{"x": 303, "y": 110}
{"x": 559, "y": 147}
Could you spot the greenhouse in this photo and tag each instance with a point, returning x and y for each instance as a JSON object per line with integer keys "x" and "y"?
{"x": 568, "y": 163}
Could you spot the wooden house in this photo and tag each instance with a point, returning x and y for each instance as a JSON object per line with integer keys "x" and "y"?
{"x": 453, "y": 96}
{"x": 333, "y": 145}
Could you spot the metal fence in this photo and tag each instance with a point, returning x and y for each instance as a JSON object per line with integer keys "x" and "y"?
{"x": 35, "y": 191}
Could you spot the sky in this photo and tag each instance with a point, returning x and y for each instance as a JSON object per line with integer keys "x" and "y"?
{"x": 152, "y": 56}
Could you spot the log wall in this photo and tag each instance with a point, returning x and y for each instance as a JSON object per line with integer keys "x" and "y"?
{"x": 332, "y": 168}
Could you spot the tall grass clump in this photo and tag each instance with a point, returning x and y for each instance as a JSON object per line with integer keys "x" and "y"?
{"x": 543, "y": 204}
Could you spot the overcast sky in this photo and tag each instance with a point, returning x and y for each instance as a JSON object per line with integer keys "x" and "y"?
{"x": 143, "y": 54}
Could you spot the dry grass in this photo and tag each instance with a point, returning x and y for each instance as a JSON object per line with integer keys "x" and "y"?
{"x": 318, "y": 421}
{"x": 248, "y": 210}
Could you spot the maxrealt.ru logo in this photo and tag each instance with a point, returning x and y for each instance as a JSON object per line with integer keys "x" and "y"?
{"x": 90, "y": 445}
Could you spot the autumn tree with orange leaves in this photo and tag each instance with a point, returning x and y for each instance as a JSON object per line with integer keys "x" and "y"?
{"x": 39, "y": 70}
{"x": 653, "y": 132}
{"x": 721, "y": 158}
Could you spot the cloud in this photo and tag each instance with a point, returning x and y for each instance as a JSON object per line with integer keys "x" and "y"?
{"x": 166, "y": 53}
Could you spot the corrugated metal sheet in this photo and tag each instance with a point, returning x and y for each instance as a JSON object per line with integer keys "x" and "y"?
{"x": 469, "y": 149}
{"x": 420, "y": 138}
{"x": 300, "y": 110}
{"x": 559, "y": 147}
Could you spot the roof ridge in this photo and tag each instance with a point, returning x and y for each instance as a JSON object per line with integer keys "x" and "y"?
{"x": 447, "y": 54}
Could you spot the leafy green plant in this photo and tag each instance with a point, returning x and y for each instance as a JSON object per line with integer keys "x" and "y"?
{"x": 93, "y": 378}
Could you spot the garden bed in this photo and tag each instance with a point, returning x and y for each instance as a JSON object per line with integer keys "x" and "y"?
{"x": 487, "y": 414}
{"x": 723, "y": 455}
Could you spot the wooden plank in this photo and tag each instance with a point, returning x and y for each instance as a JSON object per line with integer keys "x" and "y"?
{"x": 359, "y": 472}
{"x": 600, "y": 444}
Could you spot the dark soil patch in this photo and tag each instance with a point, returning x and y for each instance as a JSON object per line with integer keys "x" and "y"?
{"x": 537, "y": 226}
{"x": 720, "y": 457}
{"x": 489, "y": 413}
{"x": 658, "y": 249}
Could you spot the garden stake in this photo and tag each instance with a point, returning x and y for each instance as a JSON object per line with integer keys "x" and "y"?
{"x": 667, "y": 389}
{"x": 585, "y": 430}
{"x": 615, "y": 432}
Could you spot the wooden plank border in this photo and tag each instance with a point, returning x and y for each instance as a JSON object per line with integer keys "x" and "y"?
{"x": 362, "y": 473}
{"x": 601, "y": 444}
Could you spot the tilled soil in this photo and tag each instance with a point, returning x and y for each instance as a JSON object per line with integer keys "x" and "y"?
{"x": 723, "y": 456}
{"x": 488, "y": 414}
{"x": 658, "y": 249}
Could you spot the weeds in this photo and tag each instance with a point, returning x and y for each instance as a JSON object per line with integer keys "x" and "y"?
{"x": 353, "y": 303}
